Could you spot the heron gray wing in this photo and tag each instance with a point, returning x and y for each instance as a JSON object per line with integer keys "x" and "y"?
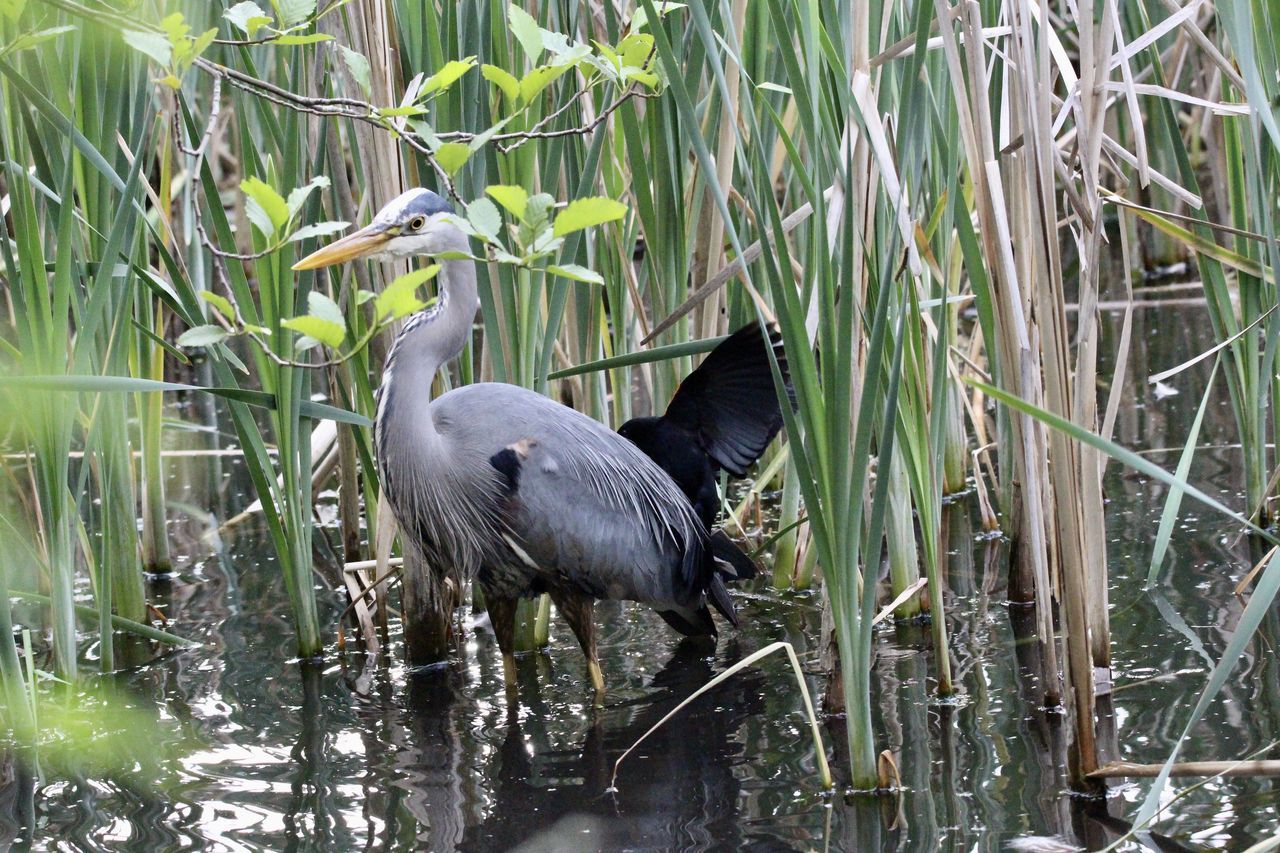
{"x": 590, "y": 507}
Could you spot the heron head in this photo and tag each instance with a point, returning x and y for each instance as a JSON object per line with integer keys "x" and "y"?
{"x": 414, "y": 223}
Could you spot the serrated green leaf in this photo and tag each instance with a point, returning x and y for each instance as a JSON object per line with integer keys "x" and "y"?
{"x": 298, "y": 196}
{"x": 482, "y": 138}
{"x": 448, "y": 74}
{"x": 565, "y": 50}
{"x": 318, "y": 229}
{"x": 641, "y": 17}
{"x": 452, "y": 156}
{"x": 358, "y": 68}
{"x": 399, "y": 298}
{"x": 320, "y": 305}
{"x": 175, "y": 27}
{"x": 532, "y": 84}
{"x": 526, "y": 31}
{"x": 325, "y": 331}
{"x": 610, "y": 56}
{"x": 586, "y": 212}
{"x": 264, "y": 206}
{"x": 201, "y": 43}
{"x": 514, "y": 199}
{"x": 397, "y": 112}
{"x": 202, "y": 336}
{"x": 504, "y": 80}
{"x": 577, "y": 273}
{"x": 537, "y": 216}
{"x": 546, "y": 243}
{"x": 220, "y": 302}
{"x": 293, "y": 12}
{"x": 539, "y": 208}
{"x": 636, "y": 49}
{"x": 423, "y": 129}
{"x": 248, "y": 16}
{"x": 485, "y": 219}
{"x": 292, "y": 40}
{"x": 648, "y": 78}
{"x": 154, "y": 45}
{"x": 464, "y": 226}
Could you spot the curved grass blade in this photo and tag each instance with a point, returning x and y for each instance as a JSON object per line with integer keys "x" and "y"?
{"x": 823, "y": 769}
{"x": 261, "y": 399}
{"x": 630, "y": 359}
{"x": 1120, "y": 454}
{"x": 1171, "y": 504}
{"x": 123, "y": 624}
{"x": 1255, "y": 611}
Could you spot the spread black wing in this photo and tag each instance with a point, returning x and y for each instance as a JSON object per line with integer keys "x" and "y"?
{"x": 729, "y": 403}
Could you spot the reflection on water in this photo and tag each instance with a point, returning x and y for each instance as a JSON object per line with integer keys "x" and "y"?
{"x": 352, "y": 754}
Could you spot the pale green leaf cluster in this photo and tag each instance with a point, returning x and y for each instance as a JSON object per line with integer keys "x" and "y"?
{"x": 173, "y": 47}
{"x": 272, "y": 214}
{"x": 400, "y": 298}
{"x": 322, "y": 324}
{"x": 294, "y": 15}
{"x": 550, "y": 56}
{"x": 536, "y": 232}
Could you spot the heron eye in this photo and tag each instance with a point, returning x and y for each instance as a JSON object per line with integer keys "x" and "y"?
{"x": 417, "y": 223}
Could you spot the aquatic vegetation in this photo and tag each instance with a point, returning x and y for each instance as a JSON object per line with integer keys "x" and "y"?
{"x": 933, "y": 204}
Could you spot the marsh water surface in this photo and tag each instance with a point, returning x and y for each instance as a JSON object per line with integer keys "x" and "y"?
{"x": 351, "y": 754}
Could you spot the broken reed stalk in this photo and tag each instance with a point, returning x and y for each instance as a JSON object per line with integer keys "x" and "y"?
{"x": 1116, "y": 769}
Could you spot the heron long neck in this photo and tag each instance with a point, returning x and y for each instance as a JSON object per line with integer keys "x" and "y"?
{"x": 435, "y": 336}
{"x": 429, "y": 339}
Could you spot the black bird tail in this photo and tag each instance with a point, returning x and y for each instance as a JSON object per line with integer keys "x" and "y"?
{"x": 697, "y": 622}
{"x": 732, "y": 563}
{"x": 689, "y": 622}
{"x": 720, "y": 600}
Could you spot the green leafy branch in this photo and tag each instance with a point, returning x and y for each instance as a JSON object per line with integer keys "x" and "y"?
{"x": 535, "y": 233}
{"x": 294, "y": 16}
{"x": 324, "y": 322}
{"x": 629, "y": 66}
{"x": 172, "y": 47}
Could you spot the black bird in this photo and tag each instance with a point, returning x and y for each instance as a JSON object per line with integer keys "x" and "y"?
{"x": 723, "y": 416}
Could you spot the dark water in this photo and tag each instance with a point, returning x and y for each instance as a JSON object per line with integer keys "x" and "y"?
{"x": 353, "y": 755}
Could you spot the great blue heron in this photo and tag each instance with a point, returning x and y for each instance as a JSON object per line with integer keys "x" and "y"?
{"x": 502, "y": 485}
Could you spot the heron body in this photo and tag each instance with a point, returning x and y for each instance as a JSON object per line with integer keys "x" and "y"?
{"x": 502, "y": 485}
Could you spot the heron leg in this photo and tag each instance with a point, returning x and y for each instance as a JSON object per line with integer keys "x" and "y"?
{"x": 577, "y": 610}
{"x": 502, "y": 616}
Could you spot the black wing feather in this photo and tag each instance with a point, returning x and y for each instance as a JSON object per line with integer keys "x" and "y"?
{"x": 729, "y": 402}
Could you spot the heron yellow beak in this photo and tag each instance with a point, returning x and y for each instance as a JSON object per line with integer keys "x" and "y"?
{"x": 362, "y": 243}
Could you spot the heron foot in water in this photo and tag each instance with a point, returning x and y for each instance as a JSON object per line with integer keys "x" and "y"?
{"x": 509, "y": 672}
{"x": 597, "y": 680}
